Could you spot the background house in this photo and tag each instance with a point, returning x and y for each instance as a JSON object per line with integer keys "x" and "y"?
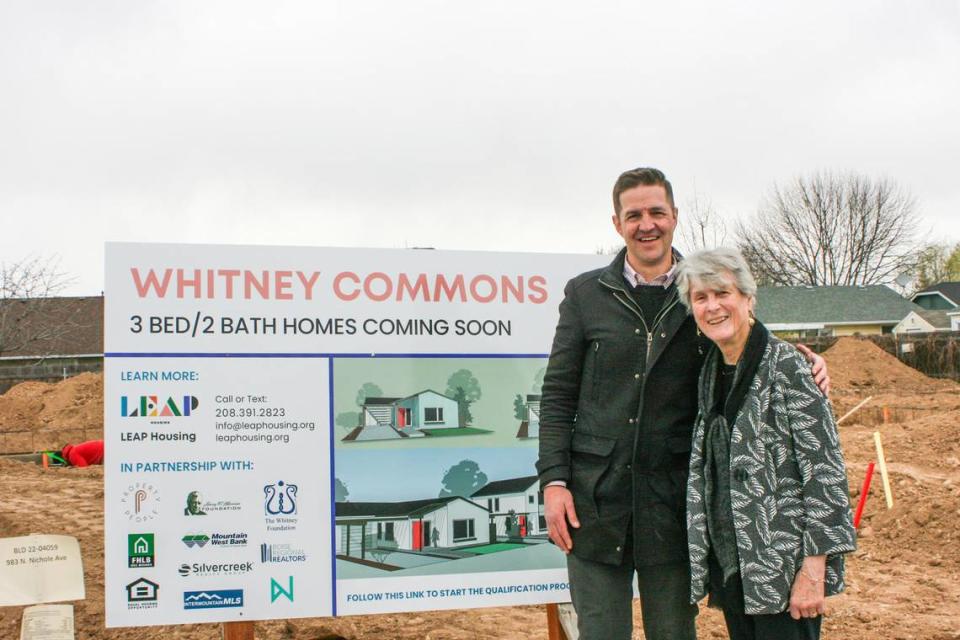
{"x": 924, "y": 321}
{"x": 803, "y": 312}
{"x": 49, "y": 338}
{"x": 530, "y": 425}
{"x": 414, "y": 526}
{"x": 943, "y": 296}
{"x": 515, "y": 506}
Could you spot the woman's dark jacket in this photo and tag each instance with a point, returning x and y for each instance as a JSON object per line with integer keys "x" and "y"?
{"x": 788, "y": 484}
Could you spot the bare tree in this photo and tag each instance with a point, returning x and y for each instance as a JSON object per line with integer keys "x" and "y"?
{"x": 937, "y": 262}
{"x": 700, "y": 224}
{"x": 26, "y": 290}
{"x": 830, "y": 229}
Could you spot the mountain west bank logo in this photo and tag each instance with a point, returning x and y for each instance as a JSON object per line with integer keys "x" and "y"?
{"x": 277, "y": 590}
{"x": 141, "y": 502}
{"x": 281, "y": 553}
{"x": 140, "y": 550}
{"x": 157, "y": 407}
{"x": 215, "y": 569}
{"x": 280, "y": 506}
{"x": 200, "y": 540}
{"x": 219, "y": 599}
{"x": 142, "y": 594}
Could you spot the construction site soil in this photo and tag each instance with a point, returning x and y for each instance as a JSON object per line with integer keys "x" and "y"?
{"x": 903, "y": 581}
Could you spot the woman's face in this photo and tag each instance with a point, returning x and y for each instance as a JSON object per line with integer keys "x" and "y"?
{"x": 722, "y": 312}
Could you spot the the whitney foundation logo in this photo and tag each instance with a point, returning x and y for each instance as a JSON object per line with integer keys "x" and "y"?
{"x": 140, "y": 551}
{"x": 280, "y": 506}
{"x": 141, "y": 502}
{"x": 142, "y": 594}
{"x": 277, "y": 590}
{"x": 200, "y": 540}
{"x": 281, "y": 553}
{"x": 157, "y": 406}
{"x": 209, "y": 599}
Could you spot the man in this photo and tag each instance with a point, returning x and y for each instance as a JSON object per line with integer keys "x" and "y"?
{"x": 193, "y": 505}
{"x": 618, "y": 406}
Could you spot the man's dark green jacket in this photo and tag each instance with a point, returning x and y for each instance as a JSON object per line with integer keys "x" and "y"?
{"x": 618, "y": 407}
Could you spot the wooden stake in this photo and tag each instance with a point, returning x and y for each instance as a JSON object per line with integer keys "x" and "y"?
{"x": 554, "y": 629}
{"x": 883, "y": 470}
{"x": 886, "y": 415}
{"x": 237, "y": 631}
{"x": 852, "y": 411}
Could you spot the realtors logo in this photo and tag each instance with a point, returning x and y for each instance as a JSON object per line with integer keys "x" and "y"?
{"x": 142, "y": 594}
{"x": 215, "y": 569}
{"x": 140, "y": 550}
{"x": 195, "y": 540}
{"x": 218, "y": 599}
{"x": 281, "y": 553}
{"x": 157, "y": 406}
{"x": 277, "y": 590}
{"x": 141, "y": 502}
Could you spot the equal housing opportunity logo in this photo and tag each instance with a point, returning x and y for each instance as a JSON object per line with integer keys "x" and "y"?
{"x": 142, "y": 594}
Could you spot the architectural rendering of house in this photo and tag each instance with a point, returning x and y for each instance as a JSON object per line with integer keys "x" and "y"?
{"x": 515, "y": 506}
{"x": 803, "y": 312}
{"x": 530, "y": 426}
{"x": 410, "y": 417}
{"x": 366, "y": 528}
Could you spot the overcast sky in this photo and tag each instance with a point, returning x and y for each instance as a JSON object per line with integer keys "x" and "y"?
{"x": 459, "y": 125}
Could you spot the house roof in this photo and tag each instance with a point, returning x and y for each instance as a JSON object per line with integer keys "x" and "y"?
{"x": 937, "y": 318}
{"x": 949, "y": 290}
{"x": 534, "y": 397}
{"x": 408, "y": 509}
{"x": 43, "y": 327}
{"x": 875, "y": 304}
{"x": 384, "y": 400}
{"x": 387, "y": 401}
{"x": 500, "y": 487}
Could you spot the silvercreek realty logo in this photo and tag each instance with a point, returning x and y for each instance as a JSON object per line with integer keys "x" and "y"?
{"x": 199, "y": 540}
{"x": 204, "y": 569}
{"x": 140, "y": 501}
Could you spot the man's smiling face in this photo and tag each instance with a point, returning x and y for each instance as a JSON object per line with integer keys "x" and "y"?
{"x": 646, "y": 223}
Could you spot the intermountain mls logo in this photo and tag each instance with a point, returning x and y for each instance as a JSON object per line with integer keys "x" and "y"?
{"x": 277, "y": 590}
{"x": 140, "y": 550}
{"x": 157, "y": 406}
{"x": 141, "y": 502}
{"x": 219, "y": 599}
{"x": 142, "y": 594}
{"x": 237, "y": 539}
{"x": 281, "y": 553}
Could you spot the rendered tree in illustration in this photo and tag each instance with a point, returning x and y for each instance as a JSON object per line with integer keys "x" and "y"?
{"x": 463, "y": 387}
{"x": 463, "y": 479}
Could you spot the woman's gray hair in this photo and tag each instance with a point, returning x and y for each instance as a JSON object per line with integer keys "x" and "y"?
{"x": 708, "y": 267}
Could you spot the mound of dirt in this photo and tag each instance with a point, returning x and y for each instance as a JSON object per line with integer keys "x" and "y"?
{"x": 74, "y": 403}
{"x": 861, "y": 367}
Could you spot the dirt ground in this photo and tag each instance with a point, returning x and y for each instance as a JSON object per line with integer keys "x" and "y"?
{"x": 903, "y": 581}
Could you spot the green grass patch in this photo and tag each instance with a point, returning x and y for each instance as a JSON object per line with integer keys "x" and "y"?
{"x": 455, "y": 431}
{"x": 494, "y": 548}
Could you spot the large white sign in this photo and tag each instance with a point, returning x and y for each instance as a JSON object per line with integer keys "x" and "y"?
{"x": 300, "y": 432}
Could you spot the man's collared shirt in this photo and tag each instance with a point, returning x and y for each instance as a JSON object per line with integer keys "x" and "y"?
{"x": 664, "y": 280}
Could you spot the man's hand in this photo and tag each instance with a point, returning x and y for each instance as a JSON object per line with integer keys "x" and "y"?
{"x": 558, "y": 509}
{"x": 806, "y": 596}
{"x": 818, "y": 367}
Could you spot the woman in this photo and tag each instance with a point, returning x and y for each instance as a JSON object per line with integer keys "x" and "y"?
{"x": 767, "y": 502}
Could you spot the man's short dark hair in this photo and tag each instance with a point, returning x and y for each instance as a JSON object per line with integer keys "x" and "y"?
{"x": 642, "y": 176}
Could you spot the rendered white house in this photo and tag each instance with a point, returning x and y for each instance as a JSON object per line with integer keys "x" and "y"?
{"x": 389, "y": 418}
{"x": 364, "y": 528}
{"x": 517, "y": 502}
{"x": 530, "y": 426}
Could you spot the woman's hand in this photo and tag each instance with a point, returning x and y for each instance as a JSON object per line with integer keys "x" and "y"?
{"x": 806, "y": 596}
{"x": 818, "y": 368}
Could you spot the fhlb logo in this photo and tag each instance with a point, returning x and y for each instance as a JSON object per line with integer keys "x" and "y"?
{"x": 140, "y": 550}
{"x": 280, "y": 499}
